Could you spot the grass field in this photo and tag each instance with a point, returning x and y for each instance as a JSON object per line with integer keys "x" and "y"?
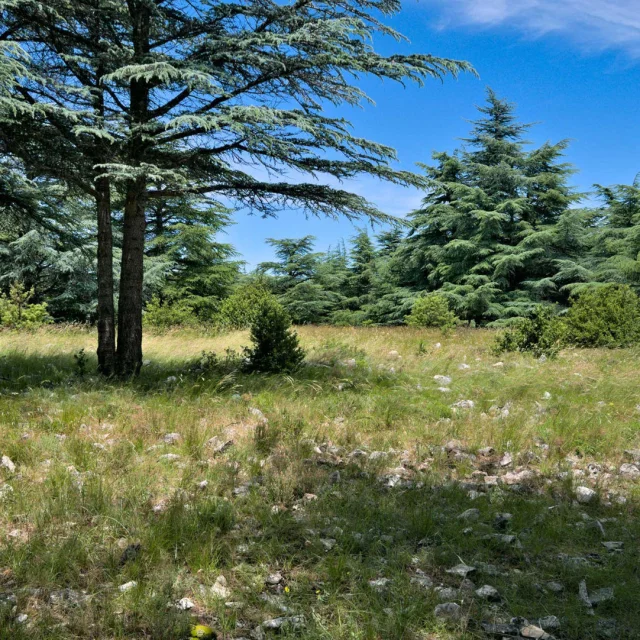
{"x": 325, "y": 504}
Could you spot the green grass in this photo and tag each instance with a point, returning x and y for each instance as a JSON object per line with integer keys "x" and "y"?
{"x": 90, "y": 480}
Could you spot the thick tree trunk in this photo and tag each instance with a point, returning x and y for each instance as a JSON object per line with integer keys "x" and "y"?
{"x": 129, "y": 354}
{"x": 106, "y": 315}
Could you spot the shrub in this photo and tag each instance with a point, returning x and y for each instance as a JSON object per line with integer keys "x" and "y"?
{"x": 432, "y": 310}
{"x": 605, "y": 316}
{"x": 275, "y": 345}
{"x": 17, "y": 313}
{"x": 543, "y": 334}
{"x": 240, "y": 309}
{"x": 166, "y": 315}
{"x": 346, "y": 318}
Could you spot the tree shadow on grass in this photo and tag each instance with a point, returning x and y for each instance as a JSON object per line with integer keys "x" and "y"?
{"x": 362, "y": 553}
{"x": 20, "y": 372}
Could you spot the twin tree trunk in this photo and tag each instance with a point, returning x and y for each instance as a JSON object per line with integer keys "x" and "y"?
{"x": 127, "y": 360}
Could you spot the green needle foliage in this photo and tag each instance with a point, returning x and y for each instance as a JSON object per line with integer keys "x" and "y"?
{"x": 162, "y": 100}
{"x": 275, "y": 346}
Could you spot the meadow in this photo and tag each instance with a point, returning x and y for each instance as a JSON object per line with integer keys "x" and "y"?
{"x": 399, "y": 470}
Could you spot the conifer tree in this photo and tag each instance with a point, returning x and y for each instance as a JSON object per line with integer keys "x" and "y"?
{"x": 188, "y": 97}
{"x": 493, "y": 225}
{"x": 615, "y": 256}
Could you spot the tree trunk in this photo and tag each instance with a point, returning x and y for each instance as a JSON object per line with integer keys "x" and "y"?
{"x": 106, "y": 315}
{"x": 129, "y": 355}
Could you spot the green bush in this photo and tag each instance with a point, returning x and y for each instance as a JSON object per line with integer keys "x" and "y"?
{"x": 543, "y": 334}
{"x": 346, "y": 318}
{"x": 160, "y": 314}
{"x": 240, "y": 309}
{"x": 275, "y": 345}
{"x": 606, "y": 316}
{"x": 432, "y": 310}
{"x": 17, "y": 313}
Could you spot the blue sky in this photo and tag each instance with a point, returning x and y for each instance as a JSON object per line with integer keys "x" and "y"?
{"x": 572, "y": 66}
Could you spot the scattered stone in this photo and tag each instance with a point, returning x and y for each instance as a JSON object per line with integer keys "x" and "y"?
{"x": 219, "y": 588}
{"x": 380, "y": 584}
{"x": 67, "y": 596}
{"x": 309, "y": 497}
{"x": 274, "y": 579}
{"x": 169, "y": 457}
{"x": 350, "y": 364}
{"x": 585, "y": 495}
{"x": 502, "y": 520}
{"x": 555, "y": 587}
{"x": 256, "y": 413}
{"x": 531, "y": 631}
{"x": 171, "y": 438}
{"x": 127, "y": 586}
{"x": 633, "y": 454}
{"x": 218, "y": 446}
{"x": 328, "y": 543}
{"x": 491, "y": 481}
{"x": 21, "y": 618}
{"x": 506, "y": 460}
{"x": 518, "y": 477}
{"x": 7, "y": 463}
{"x": 393, "y": 354}
{"x": 583, "y": 594}
{"x": 463, "y": 404}
{"x": 444, "y": 390}
{"x": 487, "y": 592}
{"x": 446, "y": 594}
{"x": 461, "y": 570}
{"x": 449, "y": 612}
{"x": 601, "y": 595}
{"x": 334, "y": 478}
{"x": 630, "y": 471}
{"x": 464, "y": 366}
{"x": 546, "y": 396}
{"x": 203, "y": 484}
{"x": 548, "y": 623}
{"x": 422, "y": 579}
{"x": 185, "y": 604}
{"x": 171, "y": 380}
{"x": 498, "y": 364}
{"x": 442, "y": 379}
{"x": 470, "y": 515}
{"x": 486, "y": 451}
{"x": 291, "y": 622}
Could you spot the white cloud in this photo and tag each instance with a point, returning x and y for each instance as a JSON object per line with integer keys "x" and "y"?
{"x": 595, "y": 24}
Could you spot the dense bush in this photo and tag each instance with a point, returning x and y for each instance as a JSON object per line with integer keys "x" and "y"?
{"x": 17, "y": 313}
{"x": 275, "y": 345}
{"x": 605, "y": 316}
{"x": 241, "y": 308}
{"x": 543, "y": 334}
{"x": 166, "y": 315}
{"x": 432, "y": 310}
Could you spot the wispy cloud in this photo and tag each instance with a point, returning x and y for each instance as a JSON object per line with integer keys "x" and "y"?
{"x": 595, "y": 24}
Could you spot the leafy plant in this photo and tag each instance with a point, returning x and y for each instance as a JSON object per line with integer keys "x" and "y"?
{"x": 543, "y": 334}
{"x": 241, "y": 308}
{"x": 604, "y": 316}
{"x": 81, "y": 361}
{"x": 166, "y": 315}
{"x": 432, "y": 310}
{"x": 275, "y": 345}
{"x": 17, "y": 313}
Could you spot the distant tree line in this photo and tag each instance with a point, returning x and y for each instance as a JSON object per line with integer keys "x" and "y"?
{"x": 500, "y": 231}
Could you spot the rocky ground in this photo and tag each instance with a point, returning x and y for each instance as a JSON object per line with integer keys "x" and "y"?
{"x": 379, "y": 494}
